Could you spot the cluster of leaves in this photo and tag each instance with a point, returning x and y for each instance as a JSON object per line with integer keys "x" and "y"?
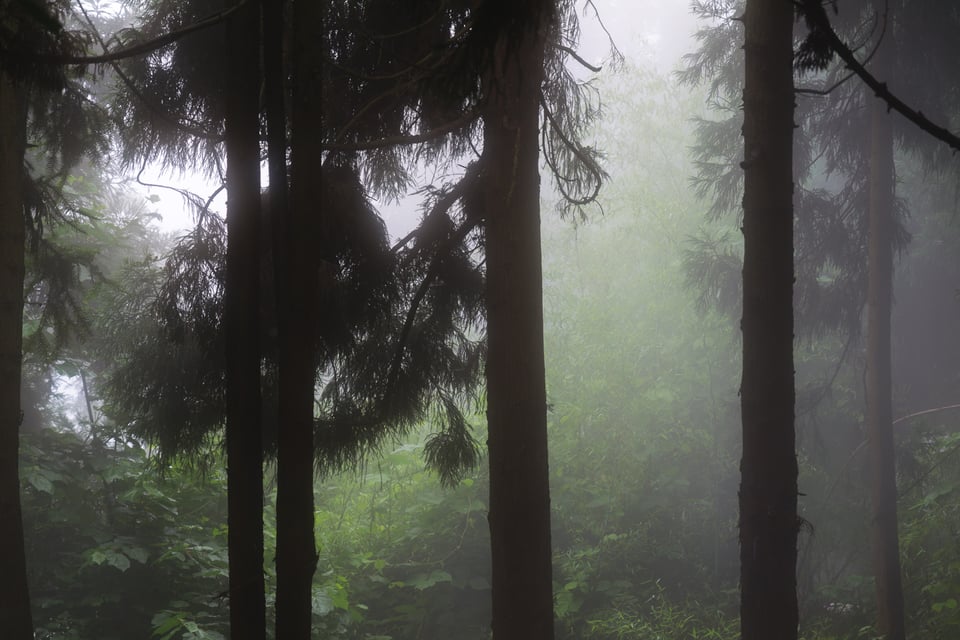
{"x": 121, "y": 547}
{"x": 120, "y": 551}
{"x": 400, "y": 556}
{"x": 116, "y": 550}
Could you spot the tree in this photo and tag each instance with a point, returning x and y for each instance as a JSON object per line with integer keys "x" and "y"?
{"x": 241, "y": 312}
{"x": 768, "y": 487}
{"x": 878, "y": 380}
{"x": 836, "y": 138}
{"x": 297, "y": 305}
{"x": 884, "y": 235}
{"x": 29, "y": 94}
{"x": 365, "y": 289}
{"x": 516, "y": 393}
{"x": 15, "y": 617}
{"x": 435, "y": 360}
{"x": 879, "y": 388}
{"x": 516, "y": 57}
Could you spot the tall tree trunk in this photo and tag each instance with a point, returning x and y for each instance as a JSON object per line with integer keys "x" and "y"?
{"x": 296, "y": 547}
{"x": 879, "y": 427}
{"x": 15, "y": 619}
{"x": 241, "y": 311}
{"x": 768, "y": 486}
{"x": 516, "y": 396}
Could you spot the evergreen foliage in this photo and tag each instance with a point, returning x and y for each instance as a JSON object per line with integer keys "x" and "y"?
{"x": 124, "y": 497}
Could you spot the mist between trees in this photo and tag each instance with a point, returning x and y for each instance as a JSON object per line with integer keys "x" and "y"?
{"x": 666, "y": 348}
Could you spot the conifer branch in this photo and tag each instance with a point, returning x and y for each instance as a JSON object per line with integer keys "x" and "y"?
{"x": 432, "y": 272}
{"x": 403, "y": 140}
{"x": 580, "y": 154}
{"x": 193, "y": 128}
{"x": 817, "y": 18}
{"x": 128, "y": 52}
{"x": 573, "y": 54}
{"x": 443, "y": 204}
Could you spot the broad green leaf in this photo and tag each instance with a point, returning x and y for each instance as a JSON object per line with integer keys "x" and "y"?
{"x": 137, "y": 553}
{"x": 165, "y": 624}
{"x": 118, "y": 560}
{"x": 40, "y": 482}
{"x": 425, "y": 581}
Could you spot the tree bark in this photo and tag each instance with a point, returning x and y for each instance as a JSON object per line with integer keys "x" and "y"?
{"x": 516, "y": 396}
{"x": 768, "y": 488}
{"x": 297, "y": 291}
{"x": 15, "y": 618}
{"x": 879, "y": 427}
{"x": 241, "y": 311}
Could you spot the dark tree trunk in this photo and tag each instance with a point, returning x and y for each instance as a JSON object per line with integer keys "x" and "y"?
{"x": 768, "y": 487}
{"x": 516, "y": 397}
{"x": 879, "y": 427}
{"x": 297, "y": 291}
{"x": 15, "y": 619}
{"x": 241, "y": 311}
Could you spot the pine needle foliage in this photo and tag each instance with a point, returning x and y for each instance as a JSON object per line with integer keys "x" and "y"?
{"x": 163, "y": 338}
{"x": 393, "y": 344}
{"x": 831, "y": 148}
{"x": 830, "y": 178}
{"x": 414, "y": 70}
{"x": 400, "y": 333}
{"x": 170, "y": 102}
{"x": 67, "y": 143}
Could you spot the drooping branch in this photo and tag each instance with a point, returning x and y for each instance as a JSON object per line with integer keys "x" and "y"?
{"x": 132, "y": 51}
{"x": 581, "y": 155}
{"x": 819, "y": 23}
{"x": 397, "y": 89}
{"x": 576, "y": 56}
{"x": 443, "y": 204}
{"x": 836, "y": 85}
{"x": 379, "y": 412}
{"x": 432, "y": 272}
{"x": 192, "y": 128}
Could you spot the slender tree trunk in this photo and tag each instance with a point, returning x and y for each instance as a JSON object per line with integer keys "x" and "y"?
{"x": 516, "y": 396}
{"x": 15, "y": 619}
{"x": 241, "y": 312}
{"x": 296, "y": 547}
{"x": 768, "y": 487}
{"x": 879, "y": 427}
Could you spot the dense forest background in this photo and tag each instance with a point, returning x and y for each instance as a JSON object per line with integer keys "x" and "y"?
{"x": 372, "y": 389}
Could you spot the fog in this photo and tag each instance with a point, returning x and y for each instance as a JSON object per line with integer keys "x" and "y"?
{"x": 123, "y": 464}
